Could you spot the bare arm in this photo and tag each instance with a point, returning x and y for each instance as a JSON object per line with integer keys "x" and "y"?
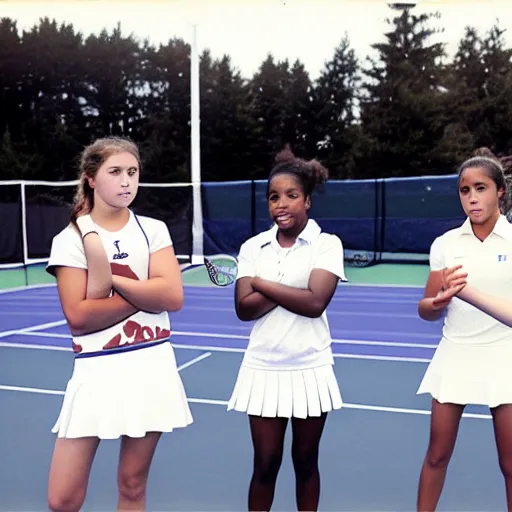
{"x": 249, "y": 304}
{"x": 88, "y": 315}
{"x": 99, "y": 275}
{"x": 163, "y": 291}
{"x": 497, "y": 307}
{"x": 442, "y": 286}
{"x": 310, "y": 302}
{"x": 455, "y": 284}
{"x": 428, "y": 309}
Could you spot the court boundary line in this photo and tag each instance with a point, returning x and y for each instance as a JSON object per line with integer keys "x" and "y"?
{"x": 56, "y": 348}
{"x": 195, "y": 286}
{"x": 209, "y": 401}
{"x": 337, "y": 341}
{"x": 335, "y": 355}
{"x": 194, "y": 361}
{"x": 3, "y": 291}
{"x": 25, "y": 330}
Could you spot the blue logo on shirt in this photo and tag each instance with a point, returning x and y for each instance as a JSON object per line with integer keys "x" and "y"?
{"x": 502, "y": 257}
{"x": 120, "y": 255}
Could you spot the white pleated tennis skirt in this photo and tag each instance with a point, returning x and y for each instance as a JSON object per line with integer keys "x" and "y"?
{"x": 470, "y": 374}
{"x": 284, "y": 393}
{"x": 124, "y": 394}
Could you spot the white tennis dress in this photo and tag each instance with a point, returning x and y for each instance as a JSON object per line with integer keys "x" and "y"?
{"x": 125, "y": 379}
{"x": 287, "y": 368}
{"x": 473, "y": 362}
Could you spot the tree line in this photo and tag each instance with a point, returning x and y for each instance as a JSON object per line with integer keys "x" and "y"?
{"x": 409, "y": 110}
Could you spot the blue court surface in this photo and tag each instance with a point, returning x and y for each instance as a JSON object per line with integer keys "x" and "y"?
{"x": 371, "y": 451}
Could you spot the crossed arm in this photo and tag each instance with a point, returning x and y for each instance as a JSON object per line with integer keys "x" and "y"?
{"x": 85, "y": 298}
{"x": 254, "y": 297}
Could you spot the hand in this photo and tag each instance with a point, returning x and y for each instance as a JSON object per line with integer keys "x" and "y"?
{"x": 443, "y": 298}
{"x": 453, "y": 283}
{"x": 451, "y": 277}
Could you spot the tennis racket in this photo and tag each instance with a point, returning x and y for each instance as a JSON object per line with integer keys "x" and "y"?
{"x": 222, "y": 269}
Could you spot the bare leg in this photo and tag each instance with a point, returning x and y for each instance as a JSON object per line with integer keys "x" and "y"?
{"x": 502, "y": 417}
{"x": 444, "y": 426}
{"x": 134, "y": 463}
{"x": 268, "y": 439}
{"x": 306, "y": 441}
{"x": 69, "y": 473}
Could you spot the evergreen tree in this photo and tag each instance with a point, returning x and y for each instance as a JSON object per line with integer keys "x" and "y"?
{"x": 335, "y": 109}
{"x": 404, "y": 113}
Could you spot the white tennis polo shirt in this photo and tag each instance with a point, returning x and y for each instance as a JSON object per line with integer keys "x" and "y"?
{"x": 489, "y": 268}
{"x": 283, "y": 340}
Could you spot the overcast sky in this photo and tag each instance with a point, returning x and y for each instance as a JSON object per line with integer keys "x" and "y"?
{"x": 247, "y": 30}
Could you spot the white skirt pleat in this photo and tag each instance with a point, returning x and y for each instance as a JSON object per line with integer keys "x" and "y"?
{"x": 470, "y": 374}
{"x": 286, "y": 394}
{"x": 129, "y": 393}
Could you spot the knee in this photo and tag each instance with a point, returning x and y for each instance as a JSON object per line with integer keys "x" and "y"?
{"x": 62, "y": 503}
{"x": 266, "y": 468}
{"x": 132, "y": 487}
{"x": 438, "y": 459}
{"x": 305, "y": 463}
{"x": 506, "y": 466}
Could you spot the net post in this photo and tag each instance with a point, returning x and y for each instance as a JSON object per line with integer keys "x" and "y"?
{"x": 24, "y": 223}
{"x": 253, "y": 207}
{"x": 195, "y": 119}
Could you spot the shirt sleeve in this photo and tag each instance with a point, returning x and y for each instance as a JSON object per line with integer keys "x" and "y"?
{"x": 330, "y": 256}
{"x": 246, "y": 260}
{"x": 160, "y": 237}
{"x": 436, "y": 258}
{"x": 67, "y": 251}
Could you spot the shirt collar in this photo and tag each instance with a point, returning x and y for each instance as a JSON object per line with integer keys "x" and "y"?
{"x": 308, "y": 235}
{"x": 502, "y": 228}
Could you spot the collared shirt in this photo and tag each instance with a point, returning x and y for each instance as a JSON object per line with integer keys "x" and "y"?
{"x": 282, "y": 339}
{"x": 489, "y": 268}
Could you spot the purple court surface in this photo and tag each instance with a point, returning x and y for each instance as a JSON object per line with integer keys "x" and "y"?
{"x": 371, "y": 451}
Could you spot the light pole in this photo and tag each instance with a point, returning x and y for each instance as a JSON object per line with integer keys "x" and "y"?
{"x": 195, "y": 152}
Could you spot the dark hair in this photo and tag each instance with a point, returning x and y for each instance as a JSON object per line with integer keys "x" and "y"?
{"x": 309, "y": 173}
{"x": 495, "y": 167}
{"x": 91, "y": 159}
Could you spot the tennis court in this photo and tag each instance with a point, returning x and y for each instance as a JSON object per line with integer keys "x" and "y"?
{"x": 372, "y": 449}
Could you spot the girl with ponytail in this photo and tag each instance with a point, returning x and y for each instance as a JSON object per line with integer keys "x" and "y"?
{"x": 118, "y": 279}
{"x": 470, "y": 284}
{"x": 286, "y": 279}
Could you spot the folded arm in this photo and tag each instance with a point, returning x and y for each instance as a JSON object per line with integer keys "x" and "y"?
{"x": 250, "y": 304}
{"x": 428, "y": 308}
{"x": 310, "y": 302}
{"x": 99, "y": 275}
{"x": 163, "y": 291}
{"x": 85, "y": 315}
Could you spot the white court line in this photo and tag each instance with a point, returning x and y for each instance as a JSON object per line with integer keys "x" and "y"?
{"x": 48, "y": 325}
{"x": 194, "y": 361}
{"x": 392, "y": 287}
{"x": 53, "y": 348}
{"x": 25, "y": 288}
{"x": 245, "y": 337}
{"x": 336, "y": 356}
{"x": 207, "y": 401}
